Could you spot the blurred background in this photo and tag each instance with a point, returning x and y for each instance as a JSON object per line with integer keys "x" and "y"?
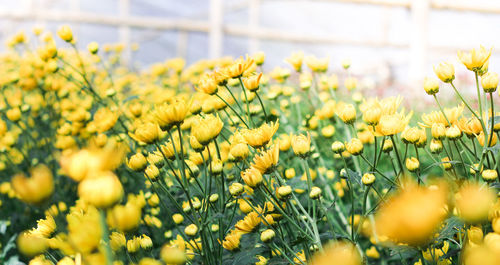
{"x": 392, "y": 43}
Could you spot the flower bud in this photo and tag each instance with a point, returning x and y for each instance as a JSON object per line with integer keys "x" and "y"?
{"x": 387, "y": 146}
{"x": 411, "y": 135}
{"x": 354, "y": 147}
{"x": 368, "y": 179}
{"x": 315, "y": 193}
{"x": 267, "y": 235}
{"x": 65, "y": 33}
{"x": 347, "y": 113}
{"x": 372, "y": 115}
{"x": 236, "y": 189}
{"x": 301, "y": 144}
{"x": 152, "y": 172}
{"x": 102, "y": 191}
{"x": 445, "y": 71}
{"x": 146, "y": 242}
{"x": 436, "y": 146}
{"x": 431, "y": 86}
{"x": 252, "y": 82}
{"x": 489, "y": 175}
{"x": 438, "y": 131}
{"x": 93, "y": 47}
{"x": 412, "y": 164}
{"x": 213, "y": 198}
{"x": 178, "y": 218}
{"x": 284, "y": 191}
{"x": 252, "y": 177}
{"x": 453, "y": 132}
{"x": 30, "y": 244}
{"x": 446, "y": 163}
{"x": 173, "y": 255}
{"x": 290, "y": 173}
{"x": 338, "y": 147}
{"x": 489, "y": 81}
{"x": 191, "y": 230}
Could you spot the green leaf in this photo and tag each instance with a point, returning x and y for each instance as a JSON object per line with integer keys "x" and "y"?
{"x": 451, "y": 225}
{"x": 403, "y": 251}
{"x": 353, "y": 175}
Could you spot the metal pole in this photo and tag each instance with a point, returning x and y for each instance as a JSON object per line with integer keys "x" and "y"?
{"x": 124, "y": 31}
{"x": 216, "y": 30}
{"x": 418, "y": 41}
{"x": 253, "y": 24}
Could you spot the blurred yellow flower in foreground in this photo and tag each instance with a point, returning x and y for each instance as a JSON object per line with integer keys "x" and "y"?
{"x": 413, "y": 214}
{"x": 38, "y": 187}
{"x": 338, "y": 253}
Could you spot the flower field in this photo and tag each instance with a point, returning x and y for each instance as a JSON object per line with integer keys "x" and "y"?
{"x": 219, "y": 162}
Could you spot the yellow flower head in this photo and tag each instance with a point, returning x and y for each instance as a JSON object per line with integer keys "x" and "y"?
{"x": 393, "y": 123}
{"x": 403, "y": 219}
{"x": 206, "y": 128}
{"x": 259, "y": 137}
{"x": 35, "y": 189}
{"x": 475, "y": 59}
{"x": 267, "y": 160}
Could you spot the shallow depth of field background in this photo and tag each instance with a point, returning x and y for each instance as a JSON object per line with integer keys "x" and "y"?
{"x": 392, "y": 43}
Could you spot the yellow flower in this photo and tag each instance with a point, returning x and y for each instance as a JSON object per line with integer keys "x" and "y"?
{"x": 338, "y": 253}
{"x": 372, "y": 253}
{"x": 475, "y": 59}
{"x": 403, "y": 219}
{"x": 259, "y": 137}
{"x": 207, "y": 84}
{"x": 445, "y": 71}
{"x": 206, "y": 128}
{"x": 296, "y": 60}
{"x": 248, "y": 223}
{"x": 317, "y": 65}
{"x": 489, "y": 175}
{"x": 31, "y": 244}
{"x": 104, "y": 119}
{"x": 431, "y": 86}
{"x": 117, "y": 240}
{"x": 65, "y": 33}
{"x": 368, "y": 179}
{"x": 191, "y": 230}
{"x": 301, "y": 144}
{"x": 232, "y": 240}
{"x": 173, "y": 255}
{"x": 35, "y": 189}
{"x": 354, "y": 146}
{"x": 346, "y": 112}
{"x": 93, "y": 47}
{"x": 252, "y": 177}
{"x": 252, "y": 82}
{"x": 267, "y": 160}
{"x": 489, "y": 82}
{"x": 393, "y": 123}
{"x": 490, "y": 141}
{"x": 102, "y": 191}
{"x": 146, "y": 133}
{"x": 137, "y": 162}
{"x": 125, "y": 217}
{"x": 471, "y": 127}
{"x": 350, "y": 83}
{"x": 267, "y": 235}
{"x": 474, "y": 201}
{"x": 45, "y": 227}
{"x": 172, "y": 114}
{"x": 412, "y": 164}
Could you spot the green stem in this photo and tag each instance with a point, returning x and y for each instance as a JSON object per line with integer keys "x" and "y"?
{"x": 105, "y": 238}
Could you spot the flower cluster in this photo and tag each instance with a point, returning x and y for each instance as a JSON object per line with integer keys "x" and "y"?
{"x": 220, "y": 162}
